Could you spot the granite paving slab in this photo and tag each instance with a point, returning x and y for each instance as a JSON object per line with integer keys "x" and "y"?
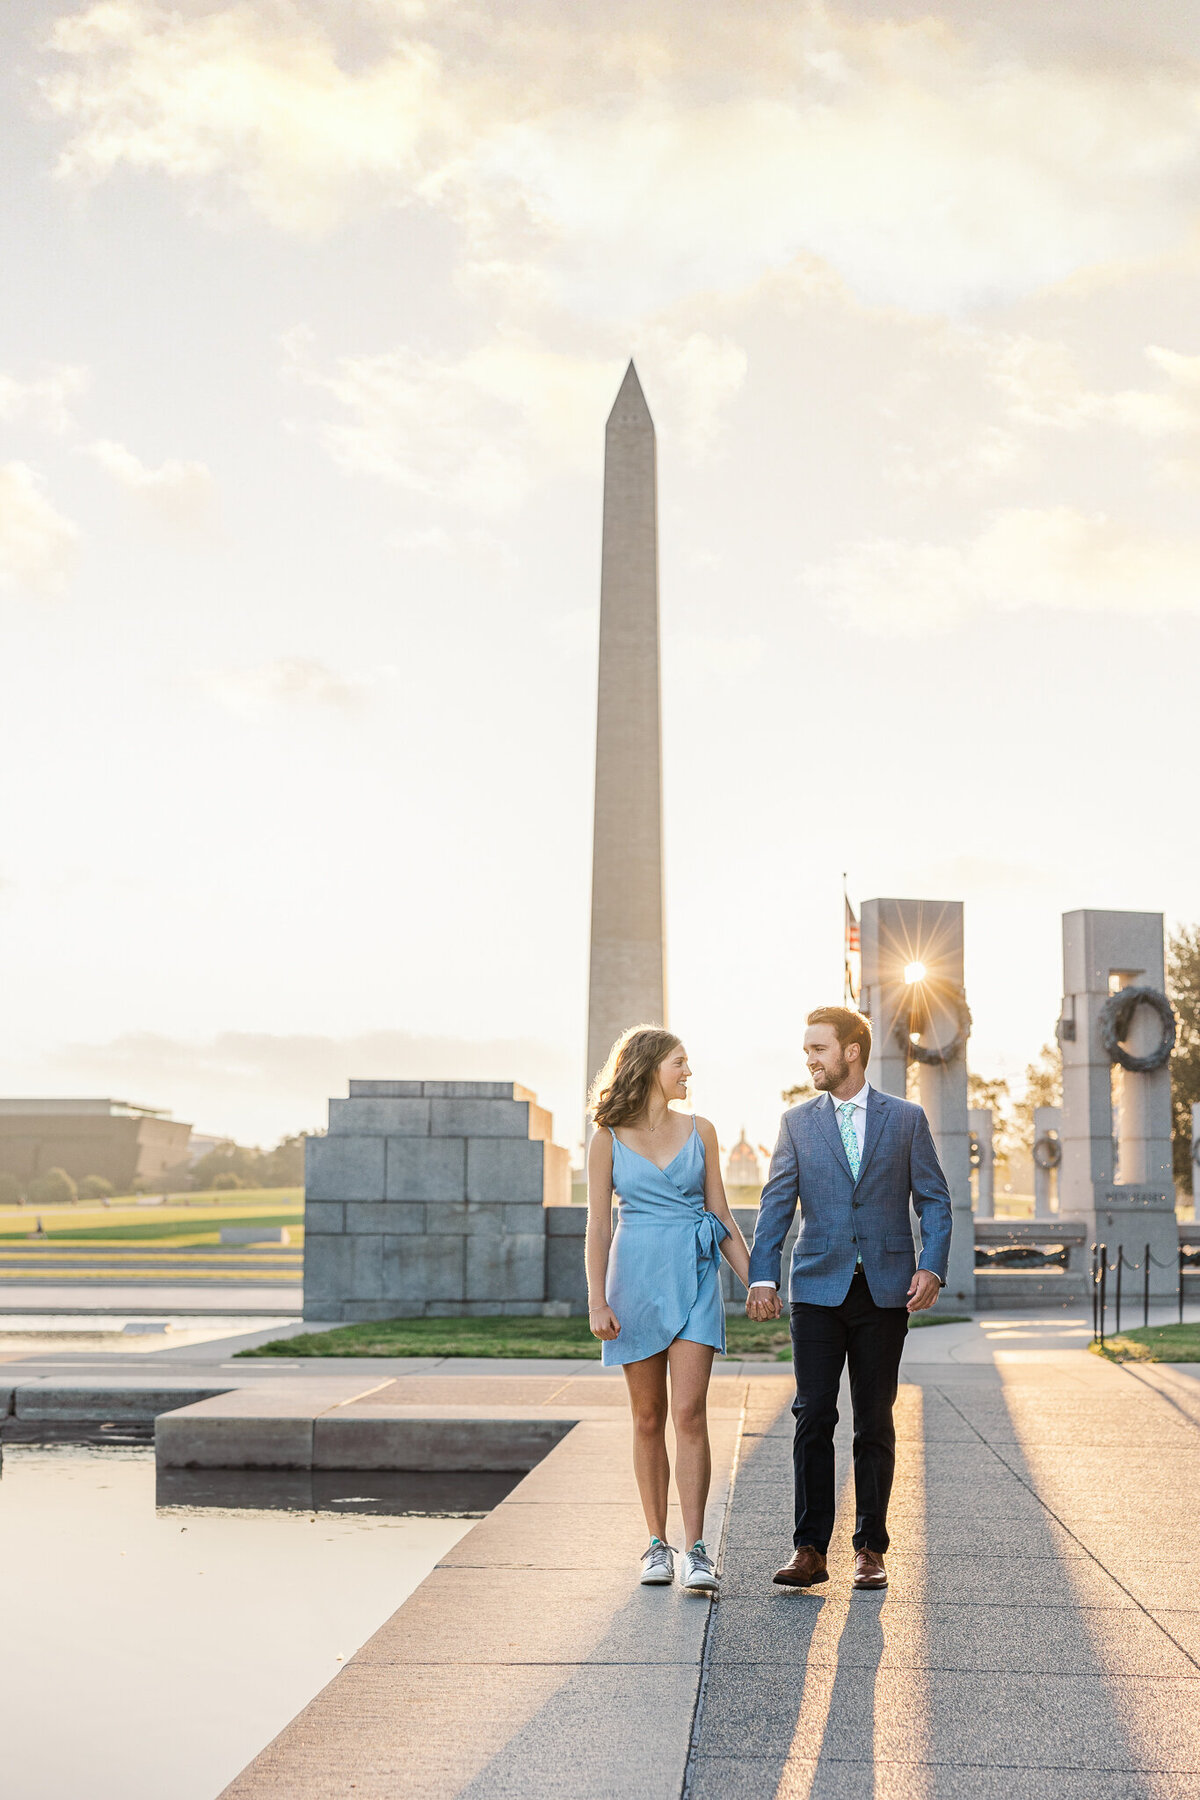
{"x": 1037, "y": 1638}
{"x": 530, "y": 1664}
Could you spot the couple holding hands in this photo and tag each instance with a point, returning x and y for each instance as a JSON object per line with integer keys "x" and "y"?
{"x": 851, "y": 1159}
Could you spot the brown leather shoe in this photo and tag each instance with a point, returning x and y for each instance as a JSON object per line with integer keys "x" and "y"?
{"x": 805, "y": 1567}
{"x": 869, "y": 1571}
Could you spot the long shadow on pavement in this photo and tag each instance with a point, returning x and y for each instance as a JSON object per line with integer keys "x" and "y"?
{"x": 1003, "y": 1661}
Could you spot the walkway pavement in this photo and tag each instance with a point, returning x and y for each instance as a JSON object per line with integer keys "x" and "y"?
{"x": 1041, "y": 1634}
{"x": 1040, "y": 1638}
{"x": 152, "y": 1296}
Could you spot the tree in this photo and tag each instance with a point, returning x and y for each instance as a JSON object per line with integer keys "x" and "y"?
{"x": 1183, "y": 990}
{"x": 803, "y": 1090}
{"x": 94, "y": 1187}
{"x": 992, "y": 1094}
{"x": 227, "y": 1159}
{"x": 1043, "y": 1087}
{"x": 281, "y": 1167}
{"x": 284, "y": 1165}
{"x": 227, "y": 1182}
{"x": 54, "y": 1188}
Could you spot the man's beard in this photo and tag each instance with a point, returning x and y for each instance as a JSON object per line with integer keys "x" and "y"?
{"x": 831, "y": 1076}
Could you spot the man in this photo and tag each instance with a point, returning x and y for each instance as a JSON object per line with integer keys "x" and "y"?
{"x": 851, "y": 1158}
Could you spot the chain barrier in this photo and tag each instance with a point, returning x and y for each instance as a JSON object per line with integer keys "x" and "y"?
{"x": 1101, "y": 1268}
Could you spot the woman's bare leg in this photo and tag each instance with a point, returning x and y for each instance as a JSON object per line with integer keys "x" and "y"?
{"x": 647, "y": 1382}
{"x": 691, "y": 1366}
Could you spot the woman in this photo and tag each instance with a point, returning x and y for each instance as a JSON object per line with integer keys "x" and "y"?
{"x": 654, "y": 1288}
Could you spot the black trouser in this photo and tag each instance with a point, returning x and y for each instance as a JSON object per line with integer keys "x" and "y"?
{"x": 871, "y": 1338}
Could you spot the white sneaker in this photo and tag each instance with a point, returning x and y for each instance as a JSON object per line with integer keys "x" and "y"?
{"x": 697, "y": 1574}
{"x": 658, "y": 1564}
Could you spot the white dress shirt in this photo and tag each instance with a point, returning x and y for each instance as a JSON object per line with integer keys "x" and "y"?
{"x": 858, "y": 1118}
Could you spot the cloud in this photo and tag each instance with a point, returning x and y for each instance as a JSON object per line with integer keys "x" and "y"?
{"x": 290, "y": 682}
{"x": 249, "y": 93}
{"x": 37, "y": 545}
{"x": 258, "y": 1085}
{"x": 178, "y": 494}
{"x": 1056, "y": 558}
{"x": 622, "y": 168}
{"x": 479, "y": 429}
{"x": 1042, "y": 385}
{"x": 42, "y": 402}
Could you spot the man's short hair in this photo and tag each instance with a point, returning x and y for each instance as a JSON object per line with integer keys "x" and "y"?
{"x": 852, "y": 1027}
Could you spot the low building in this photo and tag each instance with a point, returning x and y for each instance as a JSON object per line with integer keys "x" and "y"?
{"x": 128, "y": 1145}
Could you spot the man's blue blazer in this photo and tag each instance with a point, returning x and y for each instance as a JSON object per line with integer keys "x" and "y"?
{"x": 841, "y": 1219}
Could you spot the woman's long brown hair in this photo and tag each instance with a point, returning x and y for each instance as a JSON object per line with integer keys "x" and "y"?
{"x": 622, "y": 1088}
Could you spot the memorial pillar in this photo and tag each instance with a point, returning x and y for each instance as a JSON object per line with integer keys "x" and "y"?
{"x": 1047, "y": 1156}
{"x": 912, "y": 991}
{"x": 983, "y": 1160}
{"x": 1116, "y": 1166}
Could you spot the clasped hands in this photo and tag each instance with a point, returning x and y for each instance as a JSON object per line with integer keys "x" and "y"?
{"x": 763, "y": 1303}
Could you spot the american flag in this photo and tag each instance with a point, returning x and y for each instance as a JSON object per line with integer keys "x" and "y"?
{"x": 853, "y": 983}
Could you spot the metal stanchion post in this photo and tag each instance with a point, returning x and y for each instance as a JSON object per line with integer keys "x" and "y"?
{"x": 1146, "y": 1288}
{"x": 1095, "y": 1292}
{"x": 1120, "y": 1266}
{"x": 1181, "y": 1284}
{"x": 1103, "y": 1288}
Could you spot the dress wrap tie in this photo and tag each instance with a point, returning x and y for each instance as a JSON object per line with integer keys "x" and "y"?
{"x": 710, "y": 1234}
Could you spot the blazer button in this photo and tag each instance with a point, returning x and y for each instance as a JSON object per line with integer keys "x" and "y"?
{"x": 856, "y": 1203}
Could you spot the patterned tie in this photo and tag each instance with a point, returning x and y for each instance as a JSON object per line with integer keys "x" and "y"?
{"x": 849, "y": 1136}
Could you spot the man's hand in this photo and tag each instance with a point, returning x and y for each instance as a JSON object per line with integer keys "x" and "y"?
{"x": 923, "y": 1290}
{"x": 763, "y": 1303}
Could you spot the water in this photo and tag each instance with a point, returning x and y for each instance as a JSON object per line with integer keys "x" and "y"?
{"x": 149, "y": 1651}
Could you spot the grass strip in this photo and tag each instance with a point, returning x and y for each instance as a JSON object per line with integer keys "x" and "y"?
{"x": 1152, "y": 1343}
{"x": 144, "y": 1230}
{"x": 517, "y": 1337}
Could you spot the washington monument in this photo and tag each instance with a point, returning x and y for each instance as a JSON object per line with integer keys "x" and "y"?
{"x": 627, "y": 984}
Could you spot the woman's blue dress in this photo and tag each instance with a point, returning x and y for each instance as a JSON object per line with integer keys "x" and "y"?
{"x": 664, "y": 1269}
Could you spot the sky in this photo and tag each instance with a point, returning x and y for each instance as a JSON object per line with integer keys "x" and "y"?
{"x": 312, "y": 314}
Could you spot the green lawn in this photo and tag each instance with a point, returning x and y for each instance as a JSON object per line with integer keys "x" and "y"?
{"x": 183, "y": 1219}
{"x": 1153, "y": 1343}
{"x": 148, "y": 1231}
{"x": 516, "y": 1337}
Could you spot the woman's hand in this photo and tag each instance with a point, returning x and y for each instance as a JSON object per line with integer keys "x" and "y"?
{"x": 602, "y": 1323}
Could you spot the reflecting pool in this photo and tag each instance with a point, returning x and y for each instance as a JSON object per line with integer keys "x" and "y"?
{"x": 149, "y": 1651}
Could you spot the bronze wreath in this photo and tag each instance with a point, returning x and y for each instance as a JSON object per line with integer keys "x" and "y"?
{"x": 1052, "y": 1149}
{"x": 1116, "y": 1016}
{"x": 931, "y": 1056}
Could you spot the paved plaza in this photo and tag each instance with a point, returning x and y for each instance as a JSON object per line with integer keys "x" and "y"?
{"x": 1040, "y": 1637}
{"x": 1041, "y": 1634}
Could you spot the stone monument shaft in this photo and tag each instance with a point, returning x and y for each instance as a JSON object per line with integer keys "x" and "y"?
{"x": 627, "y": 982}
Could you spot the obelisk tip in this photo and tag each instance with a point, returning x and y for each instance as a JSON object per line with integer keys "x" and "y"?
{"x": 630, "y": 407}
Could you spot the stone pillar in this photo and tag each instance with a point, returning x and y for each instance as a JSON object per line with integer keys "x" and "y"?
{"x": 1047, "y": 1158}
{"x": 1125, "y": 1192}
{"x": 912, "y": 991}
{"x": 627, "y": 979}
{"x": 983, "y": 1159}
{"x": 428, "y": 1199}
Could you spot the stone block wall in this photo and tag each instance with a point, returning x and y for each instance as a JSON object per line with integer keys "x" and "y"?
{"x": 430, "y": 1199}
{"x": 447, "y": 1199}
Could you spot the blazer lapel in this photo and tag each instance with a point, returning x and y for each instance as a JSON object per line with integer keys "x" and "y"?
{"x": 827, "y": 1119}
{"x": 877, "y": 1110}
